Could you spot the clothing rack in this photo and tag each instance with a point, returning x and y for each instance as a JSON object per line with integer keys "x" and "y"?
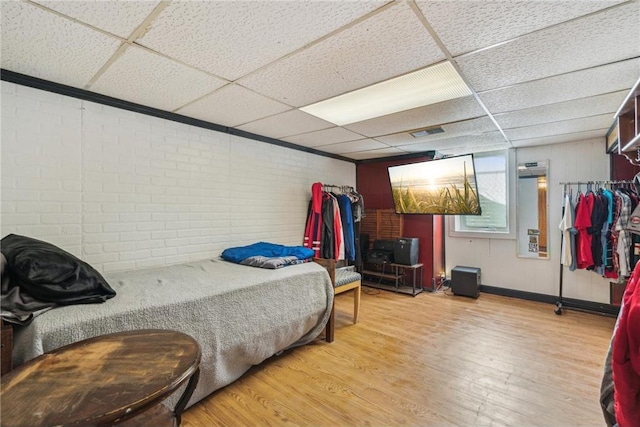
{"x": 342, "y": 188}
{"x": 602, "y": 182}
{"x": 560, "y": 304}
{"x": 353, "y": 203}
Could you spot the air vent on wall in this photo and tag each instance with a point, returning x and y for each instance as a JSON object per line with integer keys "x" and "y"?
{"x": 428, "y": 131}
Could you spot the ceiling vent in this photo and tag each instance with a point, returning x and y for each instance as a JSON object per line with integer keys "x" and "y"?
{"x": 429, "y": 131}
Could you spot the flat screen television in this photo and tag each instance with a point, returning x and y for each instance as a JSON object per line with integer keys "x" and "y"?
{"x": 437, "y": 187}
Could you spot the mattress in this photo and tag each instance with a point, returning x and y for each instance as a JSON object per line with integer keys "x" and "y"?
{"x": 240, "y": 315}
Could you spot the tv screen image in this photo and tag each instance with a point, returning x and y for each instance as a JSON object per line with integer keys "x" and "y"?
{"x": 438, "y": 187}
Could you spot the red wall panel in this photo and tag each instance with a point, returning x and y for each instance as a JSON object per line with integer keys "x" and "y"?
{"x": 372, "y": 181}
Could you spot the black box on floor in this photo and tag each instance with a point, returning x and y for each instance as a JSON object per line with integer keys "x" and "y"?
{"x": 465, "y": 281}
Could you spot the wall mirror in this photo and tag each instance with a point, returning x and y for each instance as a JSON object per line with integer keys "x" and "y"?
{"x": 533, "y": 204}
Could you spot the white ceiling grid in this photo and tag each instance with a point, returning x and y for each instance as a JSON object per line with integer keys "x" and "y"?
{"x": 325, "y": 136}
{"x": 233, "y": 38}
{"x": 388, "y": 44}
{"x": 232, "y": 106}
{"x": 119, "y": 18}
{"x": 146, "y": 78}
{"x": 547, "y": 72}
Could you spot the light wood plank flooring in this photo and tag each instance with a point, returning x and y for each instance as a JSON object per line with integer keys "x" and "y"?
{"x": 432, "y": 360}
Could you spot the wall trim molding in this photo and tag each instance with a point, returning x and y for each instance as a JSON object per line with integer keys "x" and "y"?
{"x": 74, "y": 92}
{"x": 568, "y": 303}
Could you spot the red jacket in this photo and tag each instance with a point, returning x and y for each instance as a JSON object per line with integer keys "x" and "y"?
{"x": 625, "y": 360}
{"x": 582, "y": 223}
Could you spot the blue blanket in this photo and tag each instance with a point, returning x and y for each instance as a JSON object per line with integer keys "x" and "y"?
{"x": 267, "y": 250}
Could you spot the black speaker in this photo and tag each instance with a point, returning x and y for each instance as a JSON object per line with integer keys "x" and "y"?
{"x": 405, "y": 251}
{"x": 376, "y": 256}
{"x": 465, "y": 281}
{"x": 384, "y": 245}
{"x": 364, "y": 245}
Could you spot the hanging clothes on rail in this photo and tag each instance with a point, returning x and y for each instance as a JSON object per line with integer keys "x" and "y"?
{"x": 603, "y": 242}
{"x": 340, "y": 209}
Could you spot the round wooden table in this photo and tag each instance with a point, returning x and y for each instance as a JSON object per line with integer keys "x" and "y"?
{"x": 118, "y": 378}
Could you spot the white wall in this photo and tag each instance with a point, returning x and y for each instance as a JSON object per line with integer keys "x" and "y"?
{"x": 576, "y": 161}
{"x": 123, "y": 190}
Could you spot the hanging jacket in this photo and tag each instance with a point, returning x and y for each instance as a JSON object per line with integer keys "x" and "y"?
{"x": 327, "y": 242}
{"x": 583, "y": 224}
{"x": 347, "y": 227}
{"x": 313, "y": 229}
{"x": 598, "y": 219}
{"x": 625, "y": 357}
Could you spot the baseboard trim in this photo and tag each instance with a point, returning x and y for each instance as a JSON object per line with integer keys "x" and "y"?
{"x": 569, "y": 303}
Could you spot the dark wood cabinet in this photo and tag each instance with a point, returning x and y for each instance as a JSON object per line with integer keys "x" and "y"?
{"x": 628, "y": 123}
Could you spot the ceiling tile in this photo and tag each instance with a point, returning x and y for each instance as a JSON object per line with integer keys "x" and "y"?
{"x": 150, "y": 79}
{"x": 486, "y": 23}
{"x": 593, "y": 40}
{"x": 389, "y": 44}
{"x": 233, "y": 105}
{"x": 458, "y": 151}
{"x": 603, "y": 121}
{"x": 117, "y": 17}
{"x": 233, "y": 38}
{"x": 41, "y": 44}
{"x": 465, "y": 144}
{"x": 565, "y": 87}
{"x": 285, "y": 124}
{"x": 436, "y": 114}
{"x": 584, "y": 107}
{"x": 324, "y": 137}
{"x": 352, "y": 146}
{"x": 558, "y": 139}
{"x": 375, "y": 154}
{"x": 466, "y": 127}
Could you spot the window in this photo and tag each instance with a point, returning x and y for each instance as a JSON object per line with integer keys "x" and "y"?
{"x": 492, "y": 176}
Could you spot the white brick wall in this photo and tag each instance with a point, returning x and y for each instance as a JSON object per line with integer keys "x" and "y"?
{"x": 122, "y": 190}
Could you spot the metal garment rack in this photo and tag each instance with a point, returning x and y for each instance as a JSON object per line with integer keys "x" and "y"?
{"x": 342, "y": 188}
{"x": 348, "y": 189}
{"x": 589, "y": 184}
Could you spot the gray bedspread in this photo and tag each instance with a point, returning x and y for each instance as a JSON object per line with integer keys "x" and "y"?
{"x": 239, "y": 315}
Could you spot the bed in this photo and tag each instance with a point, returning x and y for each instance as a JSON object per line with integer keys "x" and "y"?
{"x": 240, "y": 315}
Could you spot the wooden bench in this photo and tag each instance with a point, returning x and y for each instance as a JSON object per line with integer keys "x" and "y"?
{"x": 343, "y": 279}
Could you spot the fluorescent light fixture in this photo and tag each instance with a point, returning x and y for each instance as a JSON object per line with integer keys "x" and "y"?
{"x": 430, "y": 85}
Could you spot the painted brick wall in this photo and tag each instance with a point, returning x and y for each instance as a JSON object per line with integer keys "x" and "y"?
{"x": 123, "y": 190}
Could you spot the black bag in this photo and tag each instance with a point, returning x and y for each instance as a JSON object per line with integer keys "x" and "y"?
{"x": 51, "y": 274}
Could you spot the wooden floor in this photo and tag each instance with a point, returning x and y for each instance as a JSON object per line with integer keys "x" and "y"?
{"x": 432, "y": 360}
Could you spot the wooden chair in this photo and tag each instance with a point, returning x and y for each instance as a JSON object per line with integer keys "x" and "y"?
{"x": 343, "y": 279}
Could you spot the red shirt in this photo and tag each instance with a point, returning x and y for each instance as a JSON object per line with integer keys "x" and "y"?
{"x": 625, "y": 357}
{"x": 582, "y": 224}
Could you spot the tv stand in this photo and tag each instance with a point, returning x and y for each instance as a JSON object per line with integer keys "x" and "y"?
{"x": 395, "y": 278}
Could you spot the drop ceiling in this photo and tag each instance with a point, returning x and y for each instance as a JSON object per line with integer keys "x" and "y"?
{"x": 539, "y": 72}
